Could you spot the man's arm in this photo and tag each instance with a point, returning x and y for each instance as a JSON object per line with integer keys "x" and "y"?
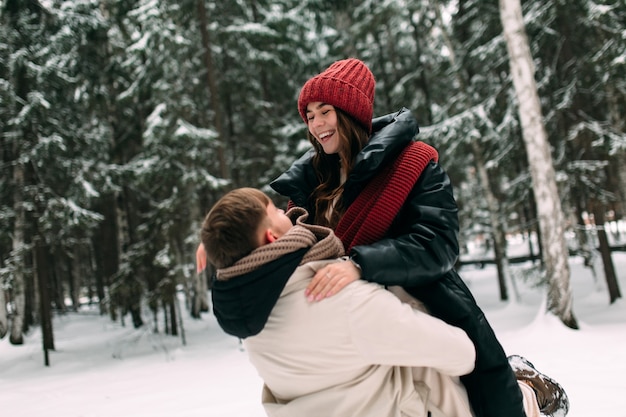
{"x": 388, "y": 332}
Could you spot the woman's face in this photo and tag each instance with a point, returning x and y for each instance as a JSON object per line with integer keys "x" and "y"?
{"x": 322, "y": 122}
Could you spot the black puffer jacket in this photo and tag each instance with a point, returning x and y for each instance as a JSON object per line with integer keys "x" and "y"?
{"x": 419, "y": 254}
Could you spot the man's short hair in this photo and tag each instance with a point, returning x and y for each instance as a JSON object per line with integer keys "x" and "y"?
{"x": 229, "y": 231}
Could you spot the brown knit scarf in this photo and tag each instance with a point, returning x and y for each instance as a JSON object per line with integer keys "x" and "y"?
{"x": 322, "y": 241}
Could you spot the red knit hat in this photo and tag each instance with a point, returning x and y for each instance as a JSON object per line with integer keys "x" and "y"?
{"x": 347, "y": 84}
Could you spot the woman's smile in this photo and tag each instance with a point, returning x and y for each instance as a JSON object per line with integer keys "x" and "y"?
{"x": 322, "y": 122}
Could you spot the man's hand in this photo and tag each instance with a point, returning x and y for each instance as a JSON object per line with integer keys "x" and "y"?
{"x": 200, "y": 258}
{"x": 331, "y": 279}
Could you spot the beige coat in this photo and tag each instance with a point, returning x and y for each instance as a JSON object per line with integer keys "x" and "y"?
{"x": 359, "y": 353}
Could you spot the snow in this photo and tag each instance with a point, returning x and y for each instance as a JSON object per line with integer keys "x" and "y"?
{"x": 101, "y": 369}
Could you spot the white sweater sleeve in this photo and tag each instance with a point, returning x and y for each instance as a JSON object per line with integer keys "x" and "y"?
{"x": 388, "y": 332}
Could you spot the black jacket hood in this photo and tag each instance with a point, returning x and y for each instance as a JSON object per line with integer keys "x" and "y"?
{"x": 242, "y": 304}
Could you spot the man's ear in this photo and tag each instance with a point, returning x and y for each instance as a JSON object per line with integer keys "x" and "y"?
{"x": 269, "y": 236}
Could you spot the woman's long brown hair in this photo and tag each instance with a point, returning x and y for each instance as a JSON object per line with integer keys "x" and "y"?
{"x": 352, "y": 138}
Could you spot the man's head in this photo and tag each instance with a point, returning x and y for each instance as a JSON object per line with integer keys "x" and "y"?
{"x": 241, "y": 221}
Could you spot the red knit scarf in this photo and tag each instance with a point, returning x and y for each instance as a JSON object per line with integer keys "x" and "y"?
{"x": 369, "y": 217}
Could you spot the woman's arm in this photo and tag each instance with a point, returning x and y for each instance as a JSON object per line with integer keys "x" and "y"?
{"x": 423, "y": 243}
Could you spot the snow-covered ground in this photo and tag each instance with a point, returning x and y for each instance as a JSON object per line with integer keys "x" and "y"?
{"x": 100, "y": 369}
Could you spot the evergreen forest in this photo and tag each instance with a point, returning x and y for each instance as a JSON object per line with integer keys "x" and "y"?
{"x": 122, "y": 122}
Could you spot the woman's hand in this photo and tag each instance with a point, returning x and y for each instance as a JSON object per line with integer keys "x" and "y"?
{"x": 329, "y": 280}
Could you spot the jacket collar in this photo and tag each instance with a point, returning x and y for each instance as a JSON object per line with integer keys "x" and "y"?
{"x": 243, "y": 304}
{"x": 391, "y": 134}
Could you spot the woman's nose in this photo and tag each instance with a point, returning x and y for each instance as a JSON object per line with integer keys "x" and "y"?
{"x": 317, "y": 121}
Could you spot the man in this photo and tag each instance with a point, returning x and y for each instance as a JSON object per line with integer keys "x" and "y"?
{"x": 360, "y": 353}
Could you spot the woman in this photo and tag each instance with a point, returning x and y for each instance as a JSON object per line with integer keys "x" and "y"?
{"x": 392, "y": 205}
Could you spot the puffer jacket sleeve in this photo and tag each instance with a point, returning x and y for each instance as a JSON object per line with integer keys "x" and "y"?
{"x": 423, "y": 241}
{"x": 298, "y": 181}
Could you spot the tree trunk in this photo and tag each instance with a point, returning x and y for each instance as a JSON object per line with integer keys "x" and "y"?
{"x": 200, "y": 298}
{"x": 58, "y": 264}
{"x": 499, "y": 239}
{"x": 497, "y": 228}
{"x": 19, "y": 297}
{"x": 343, "y": 23}
{"x": 173, "y": 318}
{"x": 131, "y": 301}
{"x": 75, "y": 275}
{"x": 605, "y": 253}
{"x": 183, "y": 338}
{"x": 528, "y": 230}
{"x": 4, "y": 320}
{"x": 166, "y": 320}
{"x": 533, "y": 208}
{"x": 106, "y": 252}
{"x": 31, "y": 309}
{"x": 615, "y": 102}
{"x": 542, "y": 172}
{"x": 585, "y": 247}
{"x": 42, "y": 269}
{"x": 207, "y": 57}
{"x": 615, "y": 179}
